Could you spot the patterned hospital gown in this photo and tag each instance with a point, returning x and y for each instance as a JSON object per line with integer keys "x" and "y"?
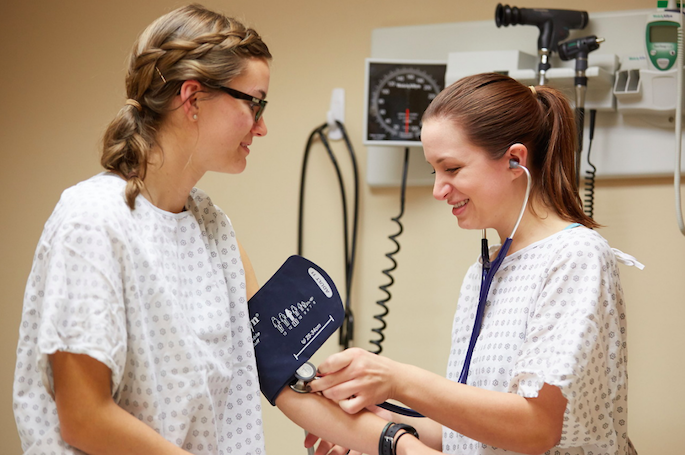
{"x": 160, "y": 299}
{"x": 555, "y": 314}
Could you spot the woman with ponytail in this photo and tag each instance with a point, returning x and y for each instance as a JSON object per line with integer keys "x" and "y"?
{"x": 548, "y": 373}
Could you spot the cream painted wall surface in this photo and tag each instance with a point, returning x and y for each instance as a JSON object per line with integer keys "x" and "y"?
{"x": 62, "y": 81}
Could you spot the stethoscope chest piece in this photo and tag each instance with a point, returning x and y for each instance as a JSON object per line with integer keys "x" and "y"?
{"x": 303, "y": 376}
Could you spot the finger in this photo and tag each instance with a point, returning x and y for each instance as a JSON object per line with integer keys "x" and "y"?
{"x": 343, "y": 391}
{"x": 352, "y": 405}
{"x": 338, "y": 450}
{"x": 322, "y": 383}
{"x": 341, "y": 382}
{"x": 337, "y": 362}
{"x": 310, "y": 440}
{"x": 323, "y": 448}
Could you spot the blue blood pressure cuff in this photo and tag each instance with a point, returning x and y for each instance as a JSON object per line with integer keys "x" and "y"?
{"x": 291, "y": 316}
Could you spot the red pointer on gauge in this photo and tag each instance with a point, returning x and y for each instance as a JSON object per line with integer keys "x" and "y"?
{"x": 406, "y": 120}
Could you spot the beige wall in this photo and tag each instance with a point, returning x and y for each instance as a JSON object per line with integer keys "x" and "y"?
{"x": 62, "y": 81}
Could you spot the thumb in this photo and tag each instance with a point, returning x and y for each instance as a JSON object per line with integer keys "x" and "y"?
{"x": 352, "y": 405}
{"x": 335, "y": 363}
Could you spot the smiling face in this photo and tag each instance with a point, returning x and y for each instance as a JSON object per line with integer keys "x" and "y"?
{"x": 226, "y": 124}
{"x": 477, "y": 187}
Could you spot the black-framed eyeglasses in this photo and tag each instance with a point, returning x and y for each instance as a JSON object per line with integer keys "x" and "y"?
{"x": 254, "y": 101}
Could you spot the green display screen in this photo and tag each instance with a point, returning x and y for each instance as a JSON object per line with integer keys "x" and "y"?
{"x": 663, "y": 34}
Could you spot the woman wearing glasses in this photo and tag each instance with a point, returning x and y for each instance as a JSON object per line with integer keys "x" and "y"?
{"x": 128, "y": 330}
{"x": 134, "y": 334}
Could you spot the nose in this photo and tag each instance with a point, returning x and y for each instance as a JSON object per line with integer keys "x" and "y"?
{"x": 440, "y": 190}
{"x": 259, "y": 127}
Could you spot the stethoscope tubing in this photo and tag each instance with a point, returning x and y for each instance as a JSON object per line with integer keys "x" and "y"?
{"x": 489, "y": 271}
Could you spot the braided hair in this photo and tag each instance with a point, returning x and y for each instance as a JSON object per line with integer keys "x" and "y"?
{"x": 191, "y": 42}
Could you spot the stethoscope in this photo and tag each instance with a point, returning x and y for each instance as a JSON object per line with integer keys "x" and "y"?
{"x": 308, "y": 371}
{"x": 489, "y": 271}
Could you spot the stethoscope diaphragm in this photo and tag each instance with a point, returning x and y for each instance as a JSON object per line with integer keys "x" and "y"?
{"x": 303, "y": 376}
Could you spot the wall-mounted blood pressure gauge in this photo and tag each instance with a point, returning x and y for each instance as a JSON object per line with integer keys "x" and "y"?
{"x": 397, "y": 94}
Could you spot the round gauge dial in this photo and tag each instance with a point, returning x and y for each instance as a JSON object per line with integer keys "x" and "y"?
{"x": 398, "y": 96}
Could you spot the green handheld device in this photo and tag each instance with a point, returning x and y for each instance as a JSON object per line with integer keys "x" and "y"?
{"x": 661, "y": 36}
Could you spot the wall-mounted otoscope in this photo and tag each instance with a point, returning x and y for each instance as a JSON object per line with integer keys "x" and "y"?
{"x": 554, "y": 25}
{"x": 579, "y": 49}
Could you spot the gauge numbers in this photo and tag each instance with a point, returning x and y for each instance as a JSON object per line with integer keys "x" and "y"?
{"x": 397, "y": 94}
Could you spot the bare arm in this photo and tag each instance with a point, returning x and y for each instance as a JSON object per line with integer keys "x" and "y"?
{"x": 505, "y": 420}
{"x": 325, "y": 419}
{"x": 89, "y": 418}
{"x": 250, "y": 277}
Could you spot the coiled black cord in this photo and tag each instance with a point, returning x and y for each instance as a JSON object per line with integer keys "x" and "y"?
{"x": 347, "y": 329}
{"x": 589, "y": 201}
{"x": 383, "y": 303}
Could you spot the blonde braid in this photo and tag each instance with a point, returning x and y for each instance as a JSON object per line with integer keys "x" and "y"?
{"x": 190, "y": 43}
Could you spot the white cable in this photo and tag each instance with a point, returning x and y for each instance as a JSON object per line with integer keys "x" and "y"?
{"x": 525, "y": 200}
{"x": 679, "y": 123}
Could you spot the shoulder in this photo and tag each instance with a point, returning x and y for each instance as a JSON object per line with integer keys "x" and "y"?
{"x": 100, "y": 191}
{"x": 578, "y": 239}
{"x": 580, "y": 249}
{"x": 588, "y": 243}
{"x": 96, "y": 201}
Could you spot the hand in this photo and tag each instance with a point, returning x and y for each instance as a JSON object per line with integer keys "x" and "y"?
{"x": 356, "y": 378}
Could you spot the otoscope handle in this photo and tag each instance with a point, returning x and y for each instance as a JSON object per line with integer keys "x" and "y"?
{"x": 579, "y": 47}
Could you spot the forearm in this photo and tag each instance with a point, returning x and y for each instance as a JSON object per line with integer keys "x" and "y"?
{"x": 359, "y": 432}
{"x": 505, "y": 420}
{"x": 89, "y": 418}
{"x": 112, "y": 430}
{"x": 326, "y": 420}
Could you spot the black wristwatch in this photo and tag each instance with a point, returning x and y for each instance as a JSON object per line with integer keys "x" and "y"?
{"x": 386, "y": 443}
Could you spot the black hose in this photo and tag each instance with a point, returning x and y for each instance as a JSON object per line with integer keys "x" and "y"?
{"x": 383, "y": 303}
{"x": 347, "y": 328}
{"x": 305, "y": 159}
{"x": 589, "y": 201}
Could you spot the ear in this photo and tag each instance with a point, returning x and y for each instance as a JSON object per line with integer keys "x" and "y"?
{"x": 189, "y": 93}
{"x": 519, "y": 153}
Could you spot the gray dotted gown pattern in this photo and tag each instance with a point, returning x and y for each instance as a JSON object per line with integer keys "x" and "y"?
{"x": 158, "y": 297}
{"x": 555, "y": 314}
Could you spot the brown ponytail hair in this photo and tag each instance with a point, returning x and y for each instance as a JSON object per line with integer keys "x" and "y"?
{"x": 191, "y": 42}
{"x": 495, "y": 111}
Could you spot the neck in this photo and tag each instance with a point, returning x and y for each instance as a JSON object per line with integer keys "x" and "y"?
{"x": 170, "y": 175}
{"x": 533, "y": 227}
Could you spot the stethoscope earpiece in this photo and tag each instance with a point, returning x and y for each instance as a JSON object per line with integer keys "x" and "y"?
{"x": 513, "y": 164}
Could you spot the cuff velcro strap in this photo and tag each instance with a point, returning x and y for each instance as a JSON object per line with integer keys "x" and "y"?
{"x": 386, "y": 443}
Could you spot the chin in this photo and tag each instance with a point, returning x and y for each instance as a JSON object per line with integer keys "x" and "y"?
{"x": 234, "y": 168}
{"x": 469, "y": 226}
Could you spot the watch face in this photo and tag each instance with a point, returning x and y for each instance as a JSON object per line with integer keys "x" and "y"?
{"x": 397, "y": 95}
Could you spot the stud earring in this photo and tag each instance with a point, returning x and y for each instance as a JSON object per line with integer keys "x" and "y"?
{"x": 194, "y": 116}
